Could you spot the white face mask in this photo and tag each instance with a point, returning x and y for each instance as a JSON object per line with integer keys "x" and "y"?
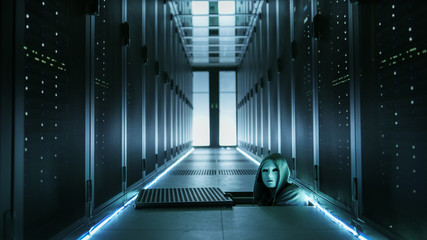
{"x": 270, "y": 174}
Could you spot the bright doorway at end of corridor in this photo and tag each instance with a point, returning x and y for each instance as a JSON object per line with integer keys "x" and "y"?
{"x": 214, "y": 113}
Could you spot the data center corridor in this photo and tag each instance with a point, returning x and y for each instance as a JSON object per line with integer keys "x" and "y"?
{"x": 102, "y": 100}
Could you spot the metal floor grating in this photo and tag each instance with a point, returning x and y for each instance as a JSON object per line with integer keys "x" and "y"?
{"x": 182, "y": 197}
{"x": 201, "y": 160}
{"x": 190, "y": 172}
{"x": 237, "y": 172}
{"x": 234, "y": 160}
{"x": 187, "y": 172}
{"x": 213, "y": 160}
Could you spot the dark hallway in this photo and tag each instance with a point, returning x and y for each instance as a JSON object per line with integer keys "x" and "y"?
{"x": 109, "y": 106}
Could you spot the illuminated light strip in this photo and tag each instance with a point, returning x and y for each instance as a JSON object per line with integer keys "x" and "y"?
{"x": 130, "y": 201}
{"x": 317, "y": 205}
{"x": 84, "y": 237}
{"x": 335, "y": 219}
{"x": 95, "y": 228}
{"x": 247, "y": 155}
{"x": 362, "y": 237}
{"x": 98, "y": 226}
{"x": 169, "y": 168}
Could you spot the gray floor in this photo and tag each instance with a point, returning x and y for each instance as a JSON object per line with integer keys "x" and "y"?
{"x": 238, "y": 222}
{"x": 212, "y": 159}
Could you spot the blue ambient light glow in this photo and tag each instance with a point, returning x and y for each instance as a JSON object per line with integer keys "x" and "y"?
{"x": 247, "y": 155}
{"x": 169, "y": 168}
{"x": 98, "y": 226}
{"x": 335, "y": 219}
{"x": 362, "y": 238}
{"x": 131, "y": 200}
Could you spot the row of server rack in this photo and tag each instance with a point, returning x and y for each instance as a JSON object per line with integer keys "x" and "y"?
{"x": 96, "y": 99}
{"x": 339, "y": 89}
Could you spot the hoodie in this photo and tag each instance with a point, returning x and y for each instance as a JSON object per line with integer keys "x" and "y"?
{"x": 285, "y": 193}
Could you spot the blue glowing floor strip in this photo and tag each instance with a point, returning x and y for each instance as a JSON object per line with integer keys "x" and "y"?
{"x": 169, "y": 168}
{"x": 99, "y": 225}
{"x": 247, "y": 155}
{"x": 336, "y": 220}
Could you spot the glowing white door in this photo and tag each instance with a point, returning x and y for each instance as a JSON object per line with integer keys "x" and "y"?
{"x": 227, "y": 108}
{"x": 201, "y": 133}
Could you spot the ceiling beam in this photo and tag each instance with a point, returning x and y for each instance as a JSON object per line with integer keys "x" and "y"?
{"x": 215, "y": 37}
{"x": 216, "y": 15}
{"x": 215, "y": 45}
{"x": 216, "y": 27}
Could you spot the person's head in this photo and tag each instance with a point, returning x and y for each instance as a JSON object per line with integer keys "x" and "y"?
{"x": 272, "y": 183}
{"x": 270, "y": 174}
{"x": 273, "y": 172}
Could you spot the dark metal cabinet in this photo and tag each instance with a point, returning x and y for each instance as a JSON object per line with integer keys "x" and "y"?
{"x": 303, "y": 91}
{"x": 134, "y": 88}
{"x": 150, "y": 89}
{"x": 284, "y": 81}
{"x": 108, "y": 102}
{"x": 393, "y": 113}
{"x": 54, "y": 116}
{"x": 333, "y": 80}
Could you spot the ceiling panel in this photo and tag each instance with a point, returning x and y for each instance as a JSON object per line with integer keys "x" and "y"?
{"x": 214, "y": 32}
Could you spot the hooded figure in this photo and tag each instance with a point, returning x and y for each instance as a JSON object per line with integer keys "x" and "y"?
{"x": 272, "y": 187}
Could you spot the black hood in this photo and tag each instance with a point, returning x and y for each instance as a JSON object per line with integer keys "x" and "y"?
{"x": 285, "y": 193}
{"x": 282, "y": 181}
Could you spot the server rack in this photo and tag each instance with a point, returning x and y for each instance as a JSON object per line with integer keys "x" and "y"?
{"x": 350, "y": 96}
{"x": 77, "y": 100}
